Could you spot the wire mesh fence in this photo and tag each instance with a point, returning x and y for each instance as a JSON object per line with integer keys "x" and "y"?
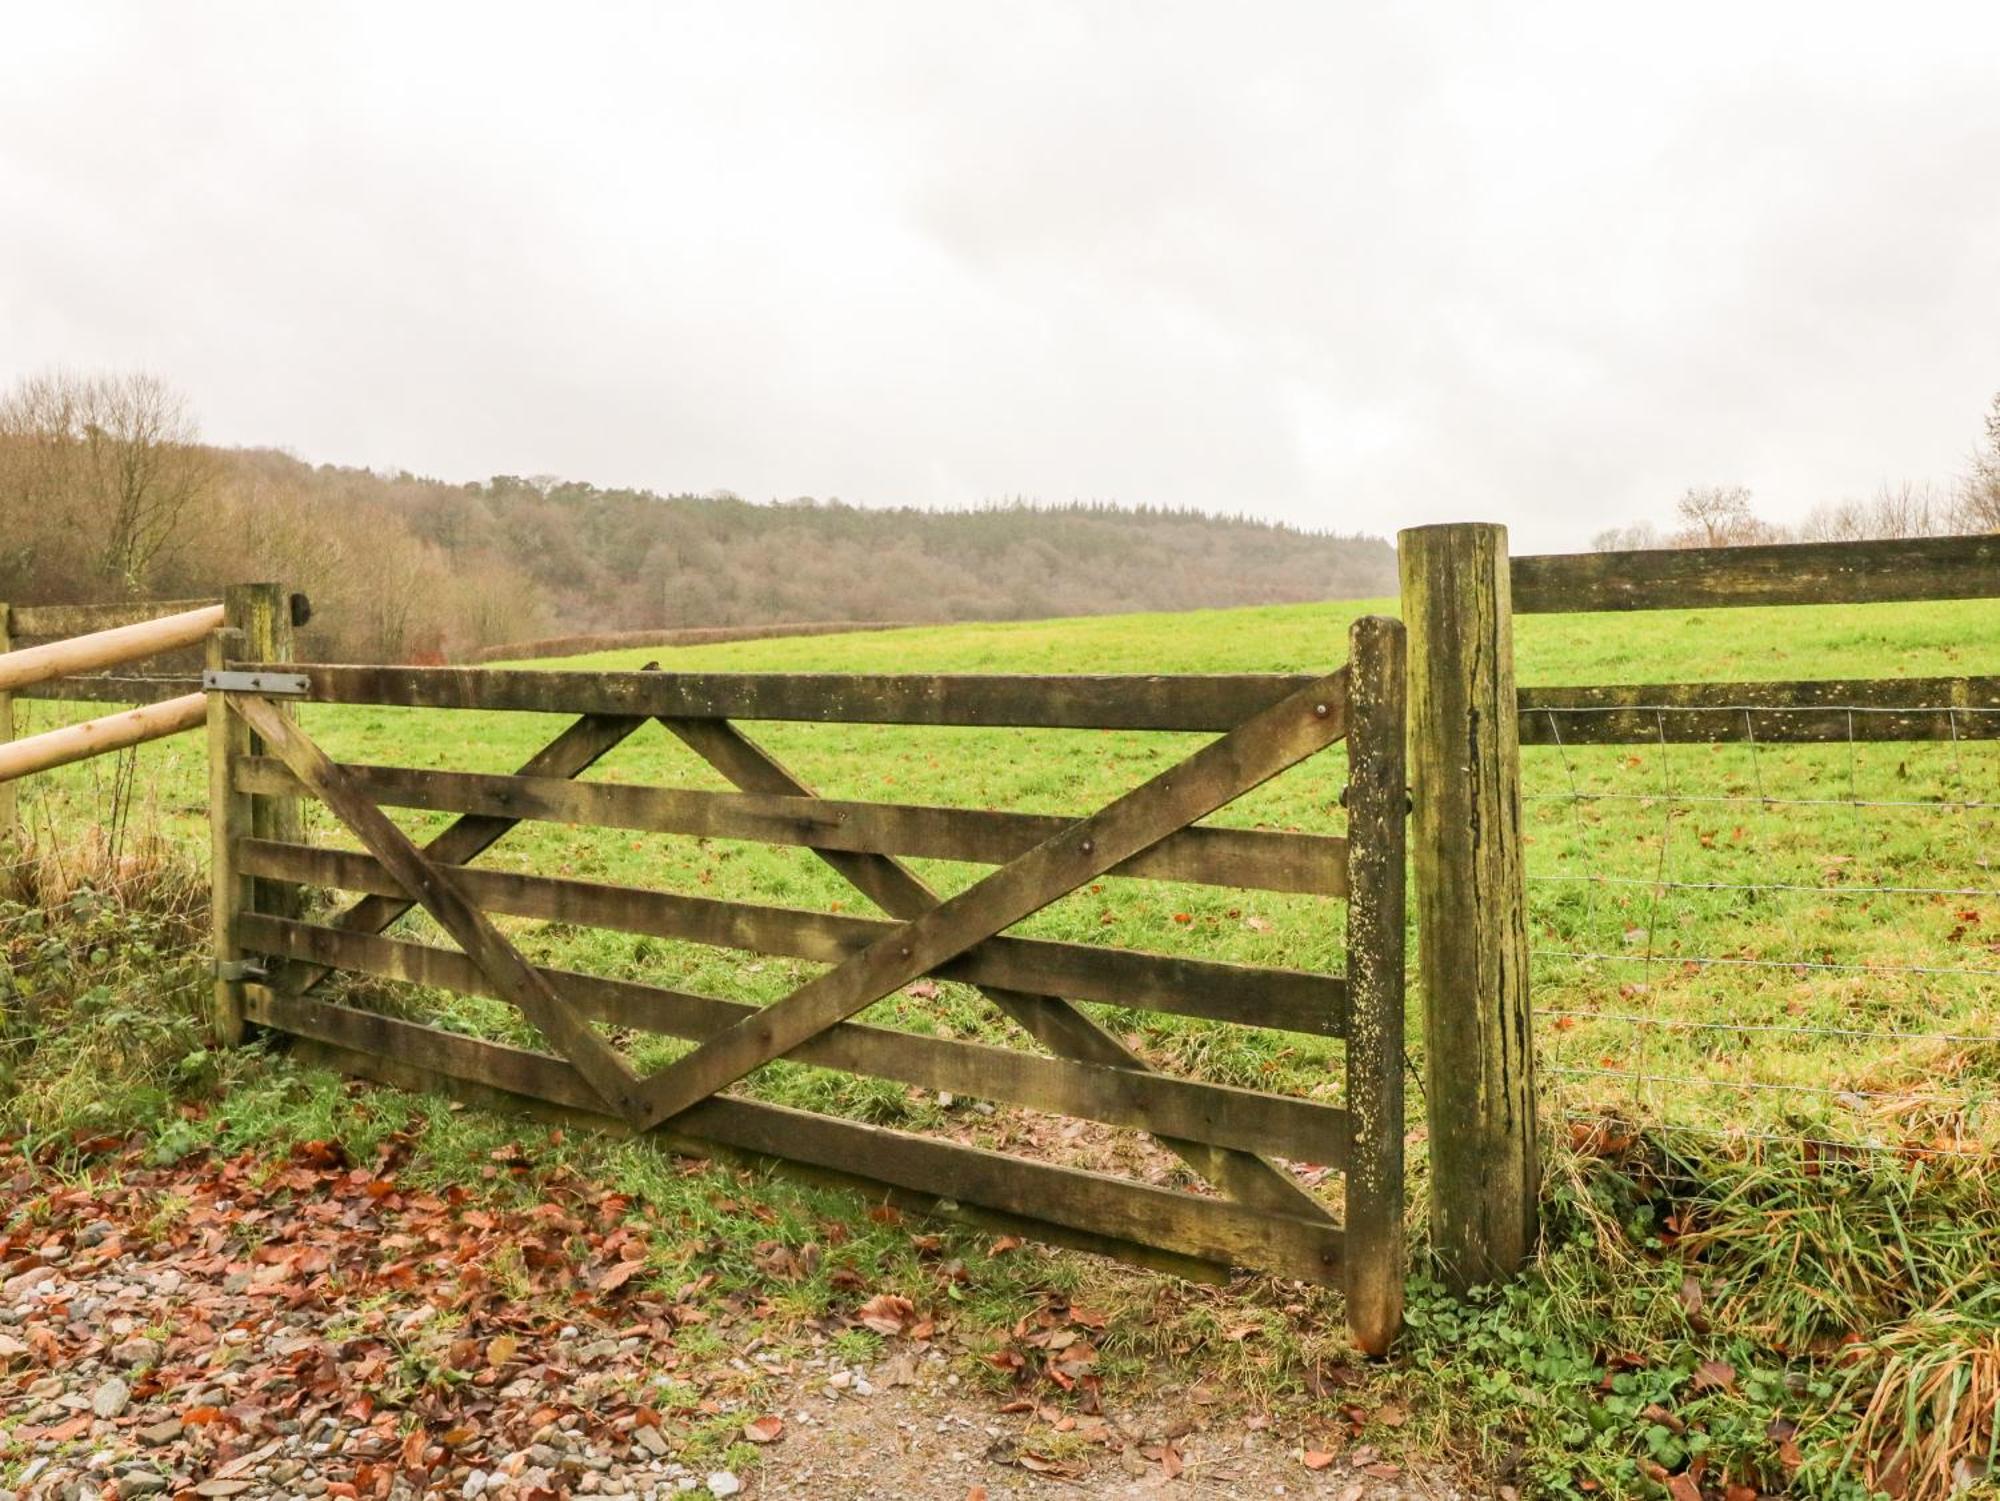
{"x": 1764, "y": 940}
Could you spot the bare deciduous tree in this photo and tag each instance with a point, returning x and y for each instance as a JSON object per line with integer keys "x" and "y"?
{"x": 1637, "y": 537}
{"x": 1719, "y": 516}
{"x": 117, "y": 457}
{"x": 1978, "y": 507}
{"x": 1903, "y": 509}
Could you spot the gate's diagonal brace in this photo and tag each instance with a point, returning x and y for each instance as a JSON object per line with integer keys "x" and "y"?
{"x": 1218, "y": 774}
{"x": 1051, "y": 1020}
{"x": 599, "y": 1063}
{"x": 462, "y": 841}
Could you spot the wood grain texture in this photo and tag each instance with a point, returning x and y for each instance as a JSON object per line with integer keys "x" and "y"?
{"x": 572, "y": 752}
{"x": 1377, "y": 810}
{"x": 402, "y": 1074}
{"x": 1254, "y": 858}
{"x": 1194, "y": 702}
{"x": 95, "y": 737}
{"x": 1036, "y": 996}
{"x": 1218, "y": 774}
{"x": 260, "y": 615}
{"x": 517, "y": 980}
{"x": 1472, "y": 941}
{"x": 1786, "y": 573}
{"x": 228, "y": 823}
{"x": 1217, "y": 1114}
{"x": 1208, "y": 1230}
{"x": 1773, "y": 713}
{"x": 1248, "y": 995}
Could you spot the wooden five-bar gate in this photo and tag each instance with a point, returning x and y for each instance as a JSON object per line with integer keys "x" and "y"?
{"x": 1245, "y": 1144}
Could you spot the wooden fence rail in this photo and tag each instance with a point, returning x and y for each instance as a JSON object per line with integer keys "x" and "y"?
{"x": 1897, "y": 570}
{"x": 72, "y": 651}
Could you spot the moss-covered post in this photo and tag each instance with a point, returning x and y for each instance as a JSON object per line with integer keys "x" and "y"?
{"x": 1377, "y": 808}
{"x": 228, "y": 821}
{"x": 1471, "y": 900}
{"x": 263, "y": 614}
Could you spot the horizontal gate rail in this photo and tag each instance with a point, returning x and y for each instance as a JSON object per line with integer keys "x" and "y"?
{"x": 1218, "y": 1114}
{"x": 1211, "y": 1231}
{"x": 1259, "y": 859}
{"x": 1216, "y": 702}
{"x": 1283, "y": 999}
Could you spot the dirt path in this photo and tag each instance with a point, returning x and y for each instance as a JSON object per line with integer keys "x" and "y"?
{"x": 312, "y": 1329}
{"x": 926, "y": 1444}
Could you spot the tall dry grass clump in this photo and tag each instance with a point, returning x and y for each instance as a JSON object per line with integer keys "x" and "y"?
{"x": 103, "y": 973}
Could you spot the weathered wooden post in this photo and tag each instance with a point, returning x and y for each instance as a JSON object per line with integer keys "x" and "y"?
{"x": 263, "y": 613}
{"x": 1471, "y": 897}
{"x": 257, "y": 627}
{"x": 10, "y": 808}
{"x": 228, "y": 820}
{"x": 1377, "y": 807}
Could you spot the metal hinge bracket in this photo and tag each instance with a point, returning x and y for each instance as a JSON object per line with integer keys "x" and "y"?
{"x": 270, "y": 684}
{"x": 234, "y": 971}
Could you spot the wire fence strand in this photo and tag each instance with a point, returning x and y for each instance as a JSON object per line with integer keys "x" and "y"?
{"x": 1669, "y": 1082}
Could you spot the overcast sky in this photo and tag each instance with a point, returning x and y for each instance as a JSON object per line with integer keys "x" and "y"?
{"x": 1352, "y": 266}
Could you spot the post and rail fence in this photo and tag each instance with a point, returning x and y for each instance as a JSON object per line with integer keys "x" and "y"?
{"x": 70, "y": 653}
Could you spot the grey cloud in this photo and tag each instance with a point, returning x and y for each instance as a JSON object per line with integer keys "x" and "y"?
{"x": 1350, "y": 266}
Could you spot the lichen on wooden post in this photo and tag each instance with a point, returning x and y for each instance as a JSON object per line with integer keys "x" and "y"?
{"x": 263, "y": 615}
{"x": 1377, "y": 805}
{"x": 1471, "y": 898}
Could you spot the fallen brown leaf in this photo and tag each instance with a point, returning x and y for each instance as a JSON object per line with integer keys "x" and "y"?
{"x": 886, "y": 1313}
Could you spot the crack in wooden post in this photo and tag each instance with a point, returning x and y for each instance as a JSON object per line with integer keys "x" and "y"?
{"x": 1256, "y": 750}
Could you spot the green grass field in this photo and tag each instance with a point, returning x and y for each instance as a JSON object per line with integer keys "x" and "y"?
{"x": 1845, "y": 1014}
{"x": 1595, "y": 861}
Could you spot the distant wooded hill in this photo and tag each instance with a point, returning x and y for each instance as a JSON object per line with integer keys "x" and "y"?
{"x": 105, "y": 490}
